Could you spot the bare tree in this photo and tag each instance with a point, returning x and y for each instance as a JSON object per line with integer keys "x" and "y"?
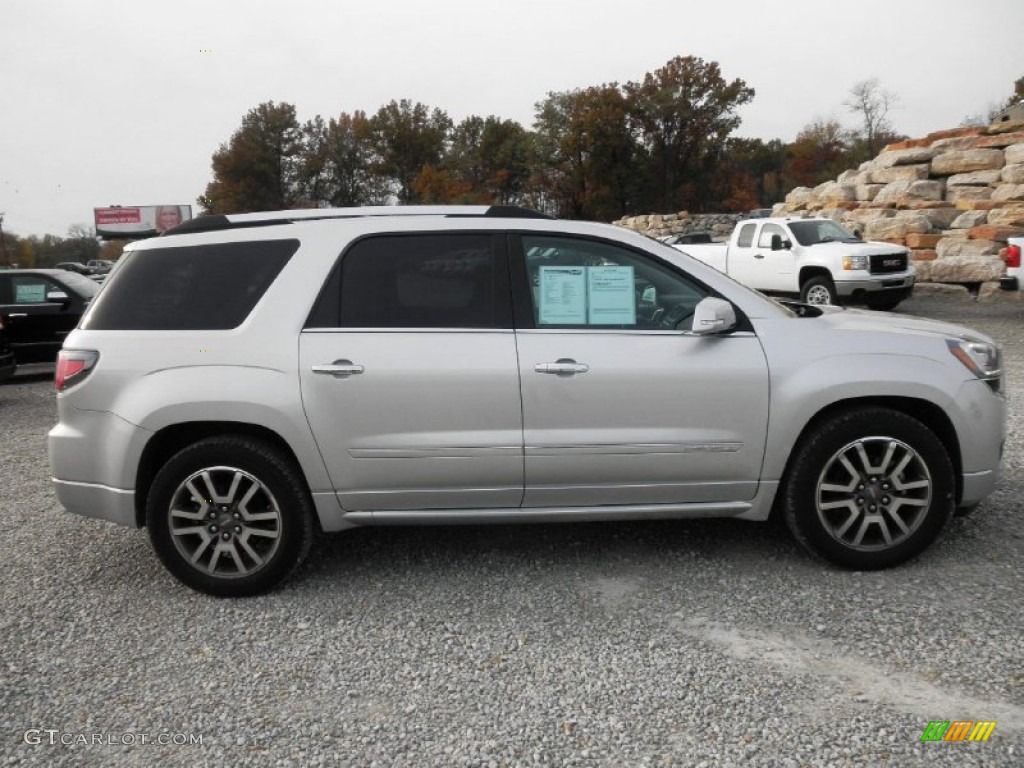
{"x": 872, "y": 103}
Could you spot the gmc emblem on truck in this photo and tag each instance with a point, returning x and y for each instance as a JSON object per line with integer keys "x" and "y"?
{"x": 892, "y": 263}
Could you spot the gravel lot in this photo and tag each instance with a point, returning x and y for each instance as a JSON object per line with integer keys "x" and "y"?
{"x": 670, "y": 643}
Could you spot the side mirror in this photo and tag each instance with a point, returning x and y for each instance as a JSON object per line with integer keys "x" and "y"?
{"x": 856, "y": 233}
{"x": 57, "y": 297}
{"x": 778, "y": 244}
{"x": 713, "y": 316}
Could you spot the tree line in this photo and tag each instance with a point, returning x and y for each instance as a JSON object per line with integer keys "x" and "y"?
{"x": 661, "y": 143}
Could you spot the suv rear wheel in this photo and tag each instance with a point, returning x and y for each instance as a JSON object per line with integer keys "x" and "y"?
{"x": 230, "y": 516}
{"x": 869, "y": 489}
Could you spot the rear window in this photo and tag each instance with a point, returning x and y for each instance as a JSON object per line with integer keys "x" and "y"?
{"x": 205, "y": 287}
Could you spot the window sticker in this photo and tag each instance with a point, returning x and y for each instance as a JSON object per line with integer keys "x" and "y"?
{"x": 30, "y": 293}
{"x": 563, "y": 296}
{"x": 611, "y": 296}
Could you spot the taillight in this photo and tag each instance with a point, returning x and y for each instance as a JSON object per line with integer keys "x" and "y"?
{"x": 73, "y": 365}
{"x": 1013, "y": 256}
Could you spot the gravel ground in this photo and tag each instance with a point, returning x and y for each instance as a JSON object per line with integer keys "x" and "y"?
{"x": 672, "y": 643}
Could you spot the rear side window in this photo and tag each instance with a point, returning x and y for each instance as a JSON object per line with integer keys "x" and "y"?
{"x": 746, "y": 238}
{"x": 425, "y": 280}
{"x": 204, "y": 287}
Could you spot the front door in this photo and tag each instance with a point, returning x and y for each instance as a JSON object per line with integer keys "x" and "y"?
{"x": 620, "y": 405}
{"x": 409, "y": 375}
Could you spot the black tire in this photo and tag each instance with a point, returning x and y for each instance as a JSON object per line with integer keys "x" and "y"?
{"x": 819, "y": 290}
{"x": 827, "y": 506}
{"x": 883, "y": 303}
{"x": 262, "y": 516}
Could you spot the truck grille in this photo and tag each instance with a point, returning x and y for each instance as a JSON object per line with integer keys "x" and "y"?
{"x": 883, "y": 263}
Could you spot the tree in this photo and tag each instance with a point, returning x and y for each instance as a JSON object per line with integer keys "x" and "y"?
{"x": 819, "y": 153}
{"x": 684, "y": 111}
{"x": 336, "y": 162}
{"x": 258, "y": 168}
{"x": 872, "y": 104}
{"x": 586, "y": 152}
{"x": 406, "y": 137}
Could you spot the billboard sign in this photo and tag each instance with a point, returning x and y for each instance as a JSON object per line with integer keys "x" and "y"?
{"x": 139, "y": 221}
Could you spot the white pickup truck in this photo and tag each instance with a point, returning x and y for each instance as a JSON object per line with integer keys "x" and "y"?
{"x": 815, "y": 258}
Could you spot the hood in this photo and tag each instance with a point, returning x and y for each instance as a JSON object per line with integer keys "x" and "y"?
{"x": 867, "y": 248}
{"x": 865, "y": 320}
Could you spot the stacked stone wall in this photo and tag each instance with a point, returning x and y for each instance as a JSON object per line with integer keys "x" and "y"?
{"x": 953, "y": 198}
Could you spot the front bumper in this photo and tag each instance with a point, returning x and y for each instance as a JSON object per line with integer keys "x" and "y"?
{"x": 875, "y": 285}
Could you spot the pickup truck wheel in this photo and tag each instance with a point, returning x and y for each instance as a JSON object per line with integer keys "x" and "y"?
{"x": 869, "y": 489}
{"x": 230, "y": 516}
{"x": 818, "y": 290}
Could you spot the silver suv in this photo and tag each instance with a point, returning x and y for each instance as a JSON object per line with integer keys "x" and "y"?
{"x": 246, "y": 381}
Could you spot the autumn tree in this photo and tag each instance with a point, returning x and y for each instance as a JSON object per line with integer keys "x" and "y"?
{"x": 258, "y": 168}
{"x": 337, "y": 159}
{"x": 820, "y": 152}
{"x": 407, "y": 137}
{"x": 684, "y": 111}
{"x": 750, "y": 174}
{"x": 489, "y": 160}
{"x": 586, "y": 152}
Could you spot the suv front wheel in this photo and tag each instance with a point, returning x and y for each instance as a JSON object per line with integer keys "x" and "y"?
{"x": 230, "y": 516}
{"x": 869, "y": 489}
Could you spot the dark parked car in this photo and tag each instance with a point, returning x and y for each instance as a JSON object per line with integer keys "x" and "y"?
{"x": 40, "y": 307}
{"x": 7, "y": 364}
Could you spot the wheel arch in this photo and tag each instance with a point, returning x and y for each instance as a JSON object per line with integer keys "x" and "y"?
{"x": 929, "y": 414}
{"x": 807, "y": 272}
{"x": 171, "y": 439}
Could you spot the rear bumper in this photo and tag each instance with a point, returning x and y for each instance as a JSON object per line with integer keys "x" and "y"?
{"x": 100, "y": 501}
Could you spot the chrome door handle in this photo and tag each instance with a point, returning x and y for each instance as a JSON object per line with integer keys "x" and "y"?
{"x": 339, "y": 369}
{"x": 18, "y": 314}
{"x": 758, "y": 255}
{"x": 562, "y": 367}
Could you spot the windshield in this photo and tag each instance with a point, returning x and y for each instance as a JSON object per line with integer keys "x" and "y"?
{"x": 820, "y": 231}
{"x": 82, "y": 285}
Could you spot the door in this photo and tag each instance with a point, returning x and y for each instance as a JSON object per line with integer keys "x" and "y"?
{"x": 36, "y": 326}
{"x": 620, "y": 405}
{"x": 774, "y": 270}
{"x": 409, "y": 375}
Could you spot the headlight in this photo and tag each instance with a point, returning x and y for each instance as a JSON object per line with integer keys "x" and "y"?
{"x": 855, "y": 262}
{"x": 982, "y": 359}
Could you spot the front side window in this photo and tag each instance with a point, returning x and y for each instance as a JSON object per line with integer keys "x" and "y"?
{"x": 580, "y": 283}
{"x": 765, "y": 239}
{"x": 425, "y": 280}
{"x": 820, "y": 231}
{"x": 30, "y": 289}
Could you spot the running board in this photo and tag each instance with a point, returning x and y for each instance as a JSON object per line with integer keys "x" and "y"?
{"x": 507, "y": 516}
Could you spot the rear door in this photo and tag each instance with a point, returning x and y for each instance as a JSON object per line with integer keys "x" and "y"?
{"x": 409, "y": 374}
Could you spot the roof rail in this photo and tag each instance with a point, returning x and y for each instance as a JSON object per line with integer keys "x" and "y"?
{"x": 217, "y": 222}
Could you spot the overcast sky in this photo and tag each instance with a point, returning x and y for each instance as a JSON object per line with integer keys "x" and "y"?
{"x": 108, "y": 102}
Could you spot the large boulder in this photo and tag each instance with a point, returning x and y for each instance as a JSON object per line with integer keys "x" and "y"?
{"x": 1013, "y": 174}
{"x": 1008, "y": 192}
{"x": 1009, "y": 216}
{"x": 975, "y": 178}
{"x": 966, "y": 269}
{"x": 969, "y": 219}
{"x": 867, "y": 192}
{"x": 956, "y": 247}
{"x": 905, "y": 157}
{"x": 1014, "y": 153}
{"x": 899, "y": 173}
{"x": 966, "y": 160}
{"x": 801, "y": 196}
{"x": 893, "y": 192}
{"x": 958, "y": 194}
{"x": 832, "y": 191}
